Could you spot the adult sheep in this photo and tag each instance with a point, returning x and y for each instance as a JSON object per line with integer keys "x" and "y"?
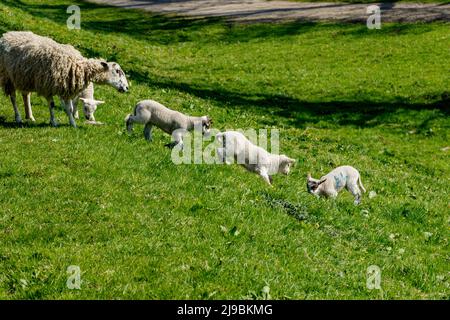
{"x": 31, "y": 63}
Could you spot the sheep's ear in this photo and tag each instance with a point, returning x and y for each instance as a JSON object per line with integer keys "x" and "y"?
{"x": 308, "y": 176}
{"x": 322, "y": 181}
{"x": 104, "y": 65}
{"x": 99, "y": 102}
{"x": 83, "y": 99}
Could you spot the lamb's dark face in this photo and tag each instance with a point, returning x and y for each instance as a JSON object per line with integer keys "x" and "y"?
{"x": 116, "y": 76}
{"x": 206, "y": 125}
{"x": 313, "y": 184}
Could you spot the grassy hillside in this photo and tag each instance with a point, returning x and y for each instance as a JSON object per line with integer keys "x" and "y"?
{"x": 141, "y": 227}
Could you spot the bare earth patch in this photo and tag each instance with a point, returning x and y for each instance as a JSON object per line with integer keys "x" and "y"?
{"x": 260, "y": 10}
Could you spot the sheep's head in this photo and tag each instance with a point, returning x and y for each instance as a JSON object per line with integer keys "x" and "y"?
{"x": 115, "y": 76}
{"x": 89, "y": 107}
{"x": 285, "y": 164}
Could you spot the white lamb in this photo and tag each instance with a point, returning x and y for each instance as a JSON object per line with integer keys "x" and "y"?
{"x": 89, "y": 103}
{"x": 329, "y": 185}
{"x": 31, "y": 63}
{"x": 151, "y": 113}
{"x": 252, "y": 157}
{"x": 86, "y": 96}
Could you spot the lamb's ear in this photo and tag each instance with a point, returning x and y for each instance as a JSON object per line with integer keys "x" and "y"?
{"x": 322, "y": 181}
{"x": 83, "y": 99}
{"x": 104, "y": 65}
{"x": 97, "y": 102}
{"x": 308, "y": 176}
{"x": 285, "y": 159}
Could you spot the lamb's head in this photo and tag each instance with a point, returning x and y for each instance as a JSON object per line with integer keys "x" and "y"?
{"x": 312, "y": 185}
{"x": 89, "y": 108}
{"x": 285, "y": 164}
{"x": 115, "y": 76}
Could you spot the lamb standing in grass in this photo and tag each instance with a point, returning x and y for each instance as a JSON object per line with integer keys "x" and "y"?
{"x": 151, "y": 113}
{"x": 338, "y": 179}
{"x": 31, "y": 63}
{"x": 86, "y": 96}
{"x": 252, "y": 157}
{"x": 89, "y": 103}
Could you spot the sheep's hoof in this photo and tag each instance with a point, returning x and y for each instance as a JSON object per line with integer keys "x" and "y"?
{"x": 54, "y": 124}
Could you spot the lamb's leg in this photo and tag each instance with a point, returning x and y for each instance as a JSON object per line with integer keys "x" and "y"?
{"x": 51, "y": 107}
{"x": 178, "y": 140}
{"x": 353, "y": 188}
{"x": 129, "y": 120}
{"x": 221, "y": 155}
{"x": 148, "y": 132}
{"x": 69, "y": 112}
{"x": 333, "y": 194}
{"x": 16, "y": 110}
{"x": 263, "y": 173}
{"x": 27, "y": 103}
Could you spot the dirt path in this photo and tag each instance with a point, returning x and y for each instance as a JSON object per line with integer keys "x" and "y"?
{"x": 260, "y": 10}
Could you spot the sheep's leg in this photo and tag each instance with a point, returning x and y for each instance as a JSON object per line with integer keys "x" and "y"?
{"x": 148, "y": 132}
{"x": 75, "y": 108}
{"x": 51, "y": 107}
{"x": 16, "y": 110}
{"x": 69, "y": 111}
{"x": 27, "y": 103}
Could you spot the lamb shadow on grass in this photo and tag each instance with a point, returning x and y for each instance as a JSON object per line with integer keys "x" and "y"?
{"x": 362, "y": 112}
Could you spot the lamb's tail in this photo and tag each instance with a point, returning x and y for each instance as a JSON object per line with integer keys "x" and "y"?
{"x": 360, "y": 184}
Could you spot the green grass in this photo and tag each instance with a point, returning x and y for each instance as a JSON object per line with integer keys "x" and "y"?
{"x": 141, "y": 227}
